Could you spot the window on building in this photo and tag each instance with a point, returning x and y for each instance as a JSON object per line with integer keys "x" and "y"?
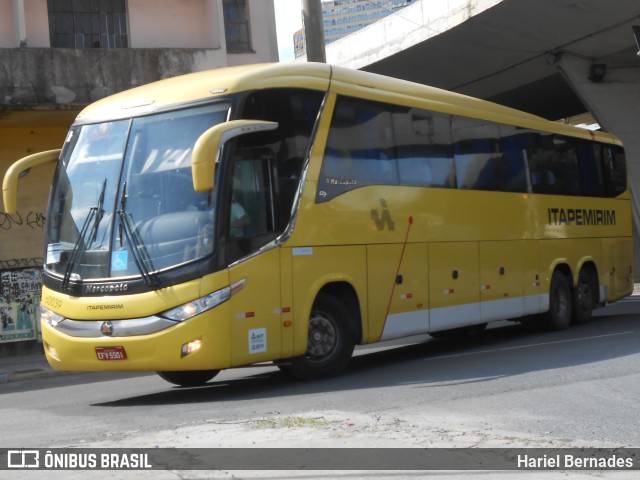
{"x": 236, "y": 26}
{"x": 88, "y": 23}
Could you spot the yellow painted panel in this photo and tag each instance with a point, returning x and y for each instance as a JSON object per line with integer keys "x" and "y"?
{"x": 398, "y": 282}
{"x": 617, "y": 253}
{"x": 531, "y": 271}
{"x": 256, "y": 309}
{"x": 286, "y": 295}
{"x": 453, "y": 274}
{"x": 316, "y": 267}
{"x": 501, "y": 270}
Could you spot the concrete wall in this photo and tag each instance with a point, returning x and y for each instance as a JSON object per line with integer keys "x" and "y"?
{"x": 614, "y": 103}
{"x": 63, "y": 77}
{"x": 174, "y": 23}
{"x": 412, "y": 25}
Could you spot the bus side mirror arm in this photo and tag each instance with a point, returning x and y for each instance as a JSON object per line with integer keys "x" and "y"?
{"x": 206, "y": 151}
{"x": 18, "y": 170}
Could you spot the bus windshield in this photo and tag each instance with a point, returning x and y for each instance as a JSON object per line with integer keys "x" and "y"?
{"x": 123, "y": 202}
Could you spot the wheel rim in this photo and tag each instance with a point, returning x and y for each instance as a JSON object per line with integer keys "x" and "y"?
{"x": 322, "y": 337}
{"x": 584, "y": 296}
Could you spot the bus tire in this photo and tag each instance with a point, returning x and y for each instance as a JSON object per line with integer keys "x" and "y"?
{"x": 189, "y": 378}
{"x": 585, "y": 296}
{"x": 560, "y": 302}
{"x": 330, "y": 342}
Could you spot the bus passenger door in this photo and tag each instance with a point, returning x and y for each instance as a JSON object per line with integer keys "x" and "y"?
{"x": 454, "y": 292}
{"x": 254, "y": 272}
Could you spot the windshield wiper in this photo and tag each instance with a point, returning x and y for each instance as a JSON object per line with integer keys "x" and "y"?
{"x": 93, "y": 220}
{"x": 99, "y": 213}
{"x": 139, "y": 252}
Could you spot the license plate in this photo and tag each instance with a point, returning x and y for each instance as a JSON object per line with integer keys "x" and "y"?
{"x": 111, "y": 353}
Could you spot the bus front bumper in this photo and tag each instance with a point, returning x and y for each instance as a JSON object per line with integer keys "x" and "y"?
{"x": 200, "y": 343}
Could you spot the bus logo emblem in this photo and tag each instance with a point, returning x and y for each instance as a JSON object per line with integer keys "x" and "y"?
{"x": 384, "y": 219}
{"x": 106, "y": 328}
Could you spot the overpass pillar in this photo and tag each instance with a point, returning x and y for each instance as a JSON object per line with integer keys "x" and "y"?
{"x": 613, "y": 101}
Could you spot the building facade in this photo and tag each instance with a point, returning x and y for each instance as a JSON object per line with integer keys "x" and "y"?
{"x": 57, "y": 56}
{"x": 342, "y": 17}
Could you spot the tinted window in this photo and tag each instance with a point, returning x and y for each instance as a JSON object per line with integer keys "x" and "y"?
{"x": 614, "y": 170}
{"x": 554, "y": 165}
{"x": 360, "y": 149}
{"x": 376, "y": 144}
{"x": 424, "y": 150}
{"x": 589, "y": 164}
{"x": 265, "y": 169}
{"x": 478, "y": 157}
{"x": 514, "y": 150}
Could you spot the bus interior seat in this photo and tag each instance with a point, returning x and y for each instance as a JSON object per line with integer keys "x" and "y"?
{"x": 173, "y": 238}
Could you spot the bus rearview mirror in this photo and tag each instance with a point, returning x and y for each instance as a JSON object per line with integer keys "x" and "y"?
{"x": 18, "y": 170}
{"x": 206, "y": 151}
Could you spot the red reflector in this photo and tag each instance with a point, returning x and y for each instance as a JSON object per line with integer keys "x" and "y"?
{"x": 111, "y": 353}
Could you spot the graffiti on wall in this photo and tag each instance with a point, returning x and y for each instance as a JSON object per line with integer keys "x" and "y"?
{"x": 31, "y": 220}
{"x": 20, "y": 292}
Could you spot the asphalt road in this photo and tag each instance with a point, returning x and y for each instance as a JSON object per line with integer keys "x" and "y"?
{"x": 506, "y": 387}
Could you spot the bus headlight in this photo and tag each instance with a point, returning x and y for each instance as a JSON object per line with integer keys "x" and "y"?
{"x": 50, "y": 318}
{"x": 202, "y": 304}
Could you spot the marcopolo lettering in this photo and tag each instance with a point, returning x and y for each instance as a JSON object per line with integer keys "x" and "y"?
{"x": 107, "y": 288}
{"x": 581, "y": 216}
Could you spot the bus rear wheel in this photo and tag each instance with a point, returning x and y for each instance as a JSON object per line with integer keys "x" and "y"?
{"x": 585, "y": 296}
{"x": 189, "y": 378}
{"x": 330, "y": 342}
{"x": 560, "y": 302}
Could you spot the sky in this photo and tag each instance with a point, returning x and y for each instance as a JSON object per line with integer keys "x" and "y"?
{"x": 288, "y": 21}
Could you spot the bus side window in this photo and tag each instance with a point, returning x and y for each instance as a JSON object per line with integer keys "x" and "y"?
{"x": 589, "y": 162}
{"x": 360, "y": 149}
{"x": 542, "y": 178}
{"x": 514, "y": 148}
{"x": 423, "y": 148}
{"x": 478, "y": 158}
{"x": 614, "y": 170}
{"x": 563, "y": 164}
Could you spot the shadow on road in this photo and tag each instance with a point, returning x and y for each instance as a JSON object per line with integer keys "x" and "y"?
{"x": 501, "y": 351}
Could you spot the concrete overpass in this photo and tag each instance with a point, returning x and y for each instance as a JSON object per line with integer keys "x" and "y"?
{"x": 534, "y": 55}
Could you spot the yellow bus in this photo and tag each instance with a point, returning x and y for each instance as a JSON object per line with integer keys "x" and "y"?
{"x": 286, "y": 213}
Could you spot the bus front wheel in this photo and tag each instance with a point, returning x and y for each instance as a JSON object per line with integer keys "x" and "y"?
{"x": 560, "y": 302}
{"x": 330, "y": 342}
{"x": 189, "y": 378}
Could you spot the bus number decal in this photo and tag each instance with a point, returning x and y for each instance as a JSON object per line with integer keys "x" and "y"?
{"x": 383, "y": 219}
{"x": 51, "y": 302}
